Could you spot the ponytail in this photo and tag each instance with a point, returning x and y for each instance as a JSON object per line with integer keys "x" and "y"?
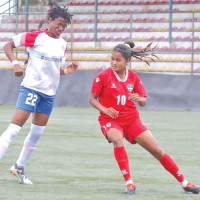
{"x": 127, "y": 51}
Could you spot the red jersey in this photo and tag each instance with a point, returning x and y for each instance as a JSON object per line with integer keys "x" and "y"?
{"x": 114, "y": 92}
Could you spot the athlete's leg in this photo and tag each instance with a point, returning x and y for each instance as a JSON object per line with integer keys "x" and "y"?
{"x": 39, "y": 121}
{"x": 13, "y": 129}
{"x": 116, "y": 137}
{"x": 20, "y": 117}
{"x": 37, "y": 127}
{"x": 147, "y": 141}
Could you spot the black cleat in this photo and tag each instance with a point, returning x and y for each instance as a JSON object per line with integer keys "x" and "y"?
{"x": 192, "y": 188}
{"x": 130, "y": 188}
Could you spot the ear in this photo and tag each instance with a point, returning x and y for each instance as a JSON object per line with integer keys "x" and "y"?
{"x": 127, "y": 61}
{"x": 50, "y": 19}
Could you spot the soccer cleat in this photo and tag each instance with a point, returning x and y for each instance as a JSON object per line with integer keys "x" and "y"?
{"x": 192, "y": 188}
{"x": 16, "y": 171}
{"x": 130, "y": 188}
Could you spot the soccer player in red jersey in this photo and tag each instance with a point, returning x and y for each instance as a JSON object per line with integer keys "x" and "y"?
{"x": 115, "y": 92}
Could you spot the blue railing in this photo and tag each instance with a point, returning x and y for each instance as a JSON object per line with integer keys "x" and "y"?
{"x": 8, "y": 10}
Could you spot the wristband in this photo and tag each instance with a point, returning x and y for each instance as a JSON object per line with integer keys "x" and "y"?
{"x": 15, "y": 62}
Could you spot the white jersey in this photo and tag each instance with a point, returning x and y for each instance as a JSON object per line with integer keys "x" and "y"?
{"x": 46, "y": 54}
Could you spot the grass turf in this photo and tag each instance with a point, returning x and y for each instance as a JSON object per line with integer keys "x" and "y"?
{"x": 74, "y": 161}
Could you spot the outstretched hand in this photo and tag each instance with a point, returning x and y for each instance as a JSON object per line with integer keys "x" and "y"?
{"x": 18, "y": 71}
{"x": 71, "y": 68}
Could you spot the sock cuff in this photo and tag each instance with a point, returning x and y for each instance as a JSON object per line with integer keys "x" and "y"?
{"x": 129, "y": 181}
{"x": 119, "y": 148}
{"x": 37, "y": 128}
{"x": 167, "y": 160}
{"x": 165, "y": 156}
{"x": 14, "y": 127}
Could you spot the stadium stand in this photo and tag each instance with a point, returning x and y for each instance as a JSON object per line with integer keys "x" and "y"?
{"x": 119, "y": 21}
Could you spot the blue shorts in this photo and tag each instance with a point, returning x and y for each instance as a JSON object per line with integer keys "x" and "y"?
{"x": 33, "y": 101}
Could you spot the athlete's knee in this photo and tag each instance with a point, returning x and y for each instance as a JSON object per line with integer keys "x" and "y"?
{"x": 157, "y": 152}
{"x": 116, "y": 138}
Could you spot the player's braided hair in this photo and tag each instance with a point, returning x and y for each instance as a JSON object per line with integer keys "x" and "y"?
{"x": 58, "y": 11}
{"x": 127, "y": 51}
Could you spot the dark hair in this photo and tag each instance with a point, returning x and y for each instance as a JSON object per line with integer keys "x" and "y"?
{"x": 52, "y": 4}
{"x": 58, "y": 11}
{"x": 127, "y": 51}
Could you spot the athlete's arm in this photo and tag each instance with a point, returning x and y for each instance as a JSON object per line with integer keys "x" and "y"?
{"x": 70, "y": 68}
{"x": 107, "y": 111}
{"x": 140, "y": 100}
{"x": 8, "y": 48}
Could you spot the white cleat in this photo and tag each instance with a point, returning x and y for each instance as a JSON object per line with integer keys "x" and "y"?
{"x": 16, "y": 171}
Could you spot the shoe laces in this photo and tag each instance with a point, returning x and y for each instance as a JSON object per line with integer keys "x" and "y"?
{"x": 190, "y": 185}
{"x": 131, "y": 185}
{"x": 20, "y": 171}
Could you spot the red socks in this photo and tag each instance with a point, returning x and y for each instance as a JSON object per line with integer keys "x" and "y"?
{"x": 169, "y": 164}
{"x": 166, "y": 161}
{"x": 123, "y": 162}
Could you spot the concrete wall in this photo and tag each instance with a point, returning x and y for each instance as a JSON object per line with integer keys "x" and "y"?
{"x": 165, "y": 91}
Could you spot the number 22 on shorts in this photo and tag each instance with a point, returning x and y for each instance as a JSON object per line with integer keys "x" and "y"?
{"x": 31, "y": 99}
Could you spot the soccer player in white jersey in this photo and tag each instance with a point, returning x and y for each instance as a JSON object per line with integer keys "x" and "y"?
{"x": 47, "y": 52}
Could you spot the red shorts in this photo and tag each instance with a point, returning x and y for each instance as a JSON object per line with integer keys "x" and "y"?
{"x": 130, "y": 129}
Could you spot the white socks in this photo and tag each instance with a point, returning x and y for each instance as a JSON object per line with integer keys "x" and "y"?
{"x": 7, "y": 137}
{"x": 29, "y": 144}
{"x": 184, "y": 183}
{"x": 129, "y": 181}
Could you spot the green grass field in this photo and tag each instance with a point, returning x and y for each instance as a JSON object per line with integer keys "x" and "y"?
{"x": 73, "y": 161}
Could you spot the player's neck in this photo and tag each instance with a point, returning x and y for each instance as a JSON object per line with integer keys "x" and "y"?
{"x": 50, "y": 33}
{"x": 121, "y": 74}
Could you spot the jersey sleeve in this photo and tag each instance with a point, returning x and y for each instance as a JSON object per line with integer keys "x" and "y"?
{"x": 25, "y": 39}
{"x": 17, "y": 39}
{"x": 97, "y": 85}
{"x": 139, "y": 87}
